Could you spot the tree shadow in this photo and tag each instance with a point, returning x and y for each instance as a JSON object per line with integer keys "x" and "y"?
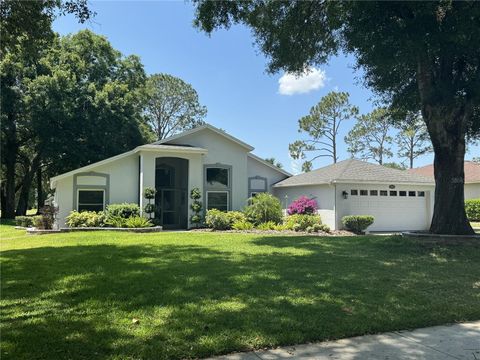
{"x": 78, "y": 302}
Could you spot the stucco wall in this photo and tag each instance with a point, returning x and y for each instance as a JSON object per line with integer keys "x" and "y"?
{"x": 472, "y": 191}
{"x": 256, "y": 168}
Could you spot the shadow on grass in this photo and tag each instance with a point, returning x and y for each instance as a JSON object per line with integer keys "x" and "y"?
{"x": 192, "y": 301}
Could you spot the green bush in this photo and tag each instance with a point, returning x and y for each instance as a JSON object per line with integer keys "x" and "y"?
{"x": 116, "y": 221}
{"x": 264, "y": 208}
{"x": 300, "y": 222}
{"x": 242, "y": 225}
{"x": 217, "y": 220}
{"x": 137, "y": 222}
{"x": 47, "y": 218}
{"x": 25, "y": 221}
{"x": 269, "y": 225}
{"x": 122, "y": 210}
{"x": 321, "y": 227}
{"x": 472, "y": 208}
{"x": 357, "y": 223}
{"x": 86, "y": 219}
{"x": 234, "y": 216}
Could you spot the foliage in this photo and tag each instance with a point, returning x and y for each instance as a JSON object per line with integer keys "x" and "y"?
{"x": 46, "y": 218}
{"x": 242, "y": 225}
{"x": 196, "y": 206}
{"x": 86, "y": 219}
{"x": 149, "y": 208}
{"x": 369, "y": 138}
{"x": 302, "y": 205}
{"x": 321, "y": 127}
{"x": 264, "y": 207}
{"x": 137, "y": 222}
{"x": 25, "y": 221}
{"x": 234, "y": 216}
{"x": 357, "y": 223}
{"x": 472, "y": 208}
{"x": 269, "y": 225}
{"x": 412, "y": 140}
{"x": 172, "y": 105}
{"x": 149, "y": 193}
{"x": 218, "y": 220}
{"x": 116, "y": 221}
{"x": 412, "y": 56}
{"x": 123, "y": 211}
{"x": 321, "y": 227}
{"x": 394, "y": 165}
{"x": 274, "y": 162}
{"x": 300, "y": 222}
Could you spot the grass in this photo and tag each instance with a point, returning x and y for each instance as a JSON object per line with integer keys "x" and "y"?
{"x": 73, "y": 296}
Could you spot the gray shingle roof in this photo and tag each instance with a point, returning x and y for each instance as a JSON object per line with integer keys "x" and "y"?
{"x": 353, "y": 170}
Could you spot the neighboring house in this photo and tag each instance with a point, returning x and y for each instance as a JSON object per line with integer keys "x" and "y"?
{"x": 220, "y": 165}
{"x": 472, "y": 177}
{"x": 398, "y": 200}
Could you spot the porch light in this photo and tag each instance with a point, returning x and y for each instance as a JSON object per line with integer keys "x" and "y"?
{"x": 345, "y": 194}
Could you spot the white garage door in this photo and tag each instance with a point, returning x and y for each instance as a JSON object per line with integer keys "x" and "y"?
{"x": 393, "y": 209}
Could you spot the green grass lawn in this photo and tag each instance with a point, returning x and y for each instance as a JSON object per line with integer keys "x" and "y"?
{"x": 73, "y": 296}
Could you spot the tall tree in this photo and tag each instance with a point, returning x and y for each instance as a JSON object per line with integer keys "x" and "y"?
{"x": 369, "y": 138}
{"x": 414, "y": 55}
{"x": 412, "y": 139}
{"x": 172, "y": 105}
{"x": 322, "y": 126}
{"x": 274, "y": 162}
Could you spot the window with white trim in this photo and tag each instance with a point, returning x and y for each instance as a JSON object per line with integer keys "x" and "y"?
{"x": 90, "y": 200}
{"x": 217, "y": 200}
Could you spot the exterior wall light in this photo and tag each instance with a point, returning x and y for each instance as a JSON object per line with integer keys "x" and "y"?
{"x": 345, "y": 194}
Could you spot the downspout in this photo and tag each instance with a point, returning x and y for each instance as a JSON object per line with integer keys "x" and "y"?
{"x": 140, "y": 183}
{"x": 335, "y": 204}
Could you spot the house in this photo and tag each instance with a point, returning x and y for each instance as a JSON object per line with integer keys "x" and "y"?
{"x": 220, "y": 165}
{"x": 398, "y": 200}
{"x": 472, "y": 177}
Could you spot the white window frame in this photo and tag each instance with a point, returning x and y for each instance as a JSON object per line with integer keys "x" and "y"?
{"x": 78, "y": 197}
{"x": 217, "y": 191}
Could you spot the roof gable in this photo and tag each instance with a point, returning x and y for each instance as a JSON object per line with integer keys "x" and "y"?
{"x": 203, "y": 128}
{"x": 270, "y": 165}
{"x": 353, "y": 170}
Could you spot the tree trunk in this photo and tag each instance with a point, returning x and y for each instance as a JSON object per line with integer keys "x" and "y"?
{"x": 40, "y": 198}
{"x": 24, "y": 195}
{"x": 8, "y": 212}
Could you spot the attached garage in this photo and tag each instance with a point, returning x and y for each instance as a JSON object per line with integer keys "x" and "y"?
{"x": 398, "y": 200}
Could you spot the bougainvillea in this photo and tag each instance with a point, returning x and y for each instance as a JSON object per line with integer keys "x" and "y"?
{"x": 302, "y": 205}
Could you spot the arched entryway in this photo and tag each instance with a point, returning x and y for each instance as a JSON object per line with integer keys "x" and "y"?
{"x": 171, "y": 200}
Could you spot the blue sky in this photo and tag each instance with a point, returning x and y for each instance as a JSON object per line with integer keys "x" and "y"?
{"x": 227, "y": 71}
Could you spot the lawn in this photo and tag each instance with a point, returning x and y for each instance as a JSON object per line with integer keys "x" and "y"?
{"x": 73, "y": 296}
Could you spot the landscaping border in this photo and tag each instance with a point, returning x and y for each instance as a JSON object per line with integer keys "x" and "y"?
{"x": 153, "y": 229}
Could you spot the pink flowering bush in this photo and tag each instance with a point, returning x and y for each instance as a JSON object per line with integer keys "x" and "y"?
{"x": 302, "y": 205}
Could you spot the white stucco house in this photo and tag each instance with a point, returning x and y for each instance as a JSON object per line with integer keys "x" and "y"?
{"x": 220, "y": 165}
{"x": 397, "y": 199}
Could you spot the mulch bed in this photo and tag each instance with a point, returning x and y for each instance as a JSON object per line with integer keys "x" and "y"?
{"x": 283, "y": 232}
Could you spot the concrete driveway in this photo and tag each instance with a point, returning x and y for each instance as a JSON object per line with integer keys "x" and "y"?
{"x": 458, "y": 341}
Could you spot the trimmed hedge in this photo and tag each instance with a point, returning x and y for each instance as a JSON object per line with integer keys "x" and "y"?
{"x": 357, "y": 223}
{"x": 26, "y": 221}
{"x": 124, "y": 210}
{"x": 472, "y": 208}
{"x": 86, "y": 219}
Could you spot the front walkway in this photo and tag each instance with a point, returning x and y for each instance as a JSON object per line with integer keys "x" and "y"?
{"x": 459, "y": 341}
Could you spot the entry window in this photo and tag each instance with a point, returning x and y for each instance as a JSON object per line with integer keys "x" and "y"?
{"x": 373, "y": 192}
{"x": 91, "y": 200}
{"x": 403, "y": 193}
{"x": 411, "y": 193}
{"x": 393, "y": 193}
{"x": 421, "y": 193}
{"x": 354, "y": 192}
{"x": 217, "y": 200}
{"x": 218, "y": 177}
{"x": 363, "y": 192}
{"x": 383, "y": 193}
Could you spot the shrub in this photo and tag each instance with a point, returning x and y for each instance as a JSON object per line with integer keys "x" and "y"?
{"x": 122, "y": 210}
{"x": 86, "y": 219}
{"x": 264, "y": 208}
{"x": 47, "y": 218}
{"x": 472, "y": 208}
{"x": 357, "y": 223}
{"x": 269, "y": 225}
{"x": 321, "y": 227}
{"x": 217, "y": 220}
{"x": 242, "y": 225}
{"x": 116, "y": 221}
{"x": 234, "y": 216}
{"x": 25, "y": 221}
{"x": 137, "y": 222}
{"x": 302, "y": 205}
{"x": 196, "y": 206}
{"x": 299, "y": 222}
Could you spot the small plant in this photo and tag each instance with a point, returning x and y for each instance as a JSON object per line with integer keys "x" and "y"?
{"x": 116, "y": 221}
{"x": 472, "y": 208}
{"x": 269, "y": 225}
{"x": 321, "y": 227}
{"x": 242, "y": 225}
{"x": 138, "y": 222}
{"x": 264, "y": 208}
{"x": 302, "y": 205}
{"x": 149, "y": 194}
{"x": 86, "y": 219}
{"x": 217, "y": 220}
{"x": 47, "y": 218}
{"x": 357, "y": 223}
{"x": 25, "y": 221}
{"x": 196, "y": 207}
{"x": 299, "y": 222}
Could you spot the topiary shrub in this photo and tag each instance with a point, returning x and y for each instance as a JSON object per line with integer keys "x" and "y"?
{"x": 302, "y": 205}
{"x": 472, "y": 208}
{"x": 357, "y": 223}
{"x": 217, "y": 220}
{"x": 122, "y": 210}
{"x": 264, "y": 208}
{"x": 299, "y": 222}
{"x": 86, "y": 219}
{"x": 196, "y": 207}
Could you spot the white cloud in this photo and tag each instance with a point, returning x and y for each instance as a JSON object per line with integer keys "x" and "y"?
{"x": 295, "y": 165}
{"x": 311, "y": 79}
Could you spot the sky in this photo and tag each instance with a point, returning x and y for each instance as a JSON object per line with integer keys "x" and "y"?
{"x": 229, "y": 73}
